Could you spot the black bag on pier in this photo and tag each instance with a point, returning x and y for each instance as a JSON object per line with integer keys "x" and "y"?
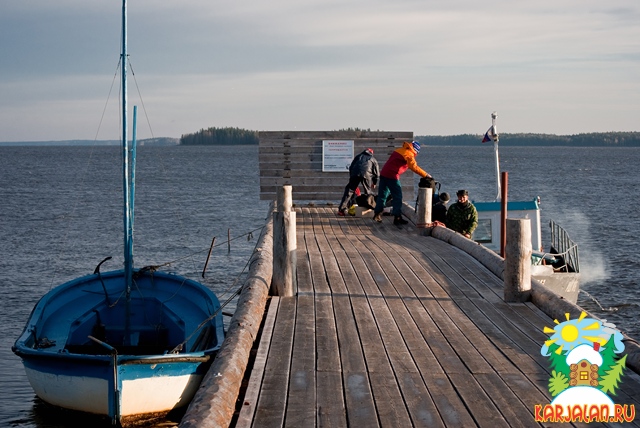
{"x": 428, "y": 182}
{"x": 366, "y": 201}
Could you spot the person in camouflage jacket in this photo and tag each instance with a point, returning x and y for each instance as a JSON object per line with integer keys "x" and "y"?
{"x": 462, "y": 216}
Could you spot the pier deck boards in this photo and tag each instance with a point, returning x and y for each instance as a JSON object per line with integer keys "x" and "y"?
{"x": 393, "y": 329}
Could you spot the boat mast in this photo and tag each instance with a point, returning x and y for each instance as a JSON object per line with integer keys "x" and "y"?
{"x": 494, "y": 136}
{"x": 132, "y": 190}
{"x": 128, "y": 226}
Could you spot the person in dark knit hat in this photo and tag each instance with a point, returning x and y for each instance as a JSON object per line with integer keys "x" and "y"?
{"x": 440, "y": 208}
{"x": 462, "y": 216}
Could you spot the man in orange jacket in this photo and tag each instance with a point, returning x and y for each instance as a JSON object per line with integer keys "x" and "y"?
{"x": 400, "y": 160}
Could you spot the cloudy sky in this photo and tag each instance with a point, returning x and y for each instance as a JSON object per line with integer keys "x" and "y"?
{"x": 431, "y": 67}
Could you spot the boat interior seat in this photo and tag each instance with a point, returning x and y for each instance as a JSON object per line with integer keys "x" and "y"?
{"x": 139, "y": 337}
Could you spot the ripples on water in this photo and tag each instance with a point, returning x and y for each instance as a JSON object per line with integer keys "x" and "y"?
{"x": 61, "y": 214}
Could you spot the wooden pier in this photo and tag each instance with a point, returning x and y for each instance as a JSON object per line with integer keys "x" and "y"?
{"x": 354, "y": 323}
{"x": 395, "y": 329}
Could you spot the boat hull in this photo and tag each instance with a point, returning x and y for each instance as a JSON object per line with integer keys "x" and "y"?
{"x": 140, "y": 368}
{"x": 145, "y": 390}
{"x": 564, "y": 284}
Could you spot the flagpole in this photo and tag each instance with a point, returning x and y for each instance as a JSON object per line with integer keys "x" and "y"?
{"x": 494, "y": 135}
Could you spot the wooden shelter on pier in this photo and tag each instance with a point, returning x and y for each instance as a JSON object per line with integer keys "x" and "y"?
{"x": 296, "y": 159}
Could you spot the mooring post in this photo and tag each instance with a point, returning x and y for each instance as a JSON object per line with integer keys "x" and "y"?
{"x": 423, "y": 214}
{"x": 283, "y": 282}
{"x": 517, "y": 261}
{"x": 503, "y": 212}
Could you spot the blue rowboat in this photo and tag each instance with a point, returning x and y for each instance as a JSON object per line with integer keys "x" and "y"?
{"x": 129, "y": 345}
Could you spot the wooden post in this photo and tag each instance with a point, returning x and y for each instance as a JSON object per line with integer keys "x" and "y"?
{"x": 423, "y": 218}
{"x": 283, "y": 282}
{"x": 284, "y": 201}
{"x": 517, "y": 262}
{"x": 206, "y": 263}
{"x": 503, "y": 212}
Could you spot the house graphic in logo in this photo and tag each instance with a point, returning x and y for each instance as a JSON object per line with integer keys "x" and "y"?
{"x": 586, "y": 364}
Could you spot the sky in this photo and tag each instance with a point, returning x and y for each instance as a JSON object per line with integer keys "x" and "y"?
{"x": 430, "y": 67}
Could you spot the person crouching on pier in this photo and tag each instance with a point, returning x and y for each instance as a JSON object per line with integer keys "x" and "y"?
{"x": 363, "y": 169}
{"x": 400, "y": 160}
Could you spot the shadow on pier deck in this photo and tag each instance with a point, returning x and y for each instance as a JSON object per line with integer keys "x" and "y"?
{"x": 390, "y": 328}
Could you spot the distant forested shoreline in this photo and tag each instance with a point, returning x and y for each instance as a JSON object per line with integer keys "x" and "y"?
{"x": 595, "y": 139}
{"x": 238, "y": 136}
{"x": 159, "y": 141}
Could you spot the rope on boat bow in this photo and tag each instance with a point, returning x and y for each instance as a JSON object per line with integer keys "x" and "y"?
{"x": 180, "y": 346}
{"x": 237, "y": 292}
{"x": 249, "y": 236}
{"x": 97, "y": 271}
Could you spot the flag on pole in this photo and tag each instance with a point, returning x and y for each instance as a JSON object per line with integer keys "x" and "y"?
{"x": 490, "y": 135}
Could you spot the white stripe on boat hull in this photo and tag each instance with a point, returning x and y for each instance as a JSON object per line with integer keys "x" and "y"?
{"x": 91, "y": 395}
{"x": 81, "y": 393}
{"x": 157, "y": 394}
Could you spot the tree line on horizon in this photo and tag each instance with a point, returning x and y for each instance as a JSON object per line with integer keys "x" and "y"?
{"x": 239, "y": 136}
{"x": 593, "y": 139}
{"x": 220, "y": 136}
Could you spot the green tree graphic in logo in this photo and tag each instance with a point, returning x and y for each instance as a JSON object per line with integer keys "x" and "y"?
{"x": 609, "y": 372}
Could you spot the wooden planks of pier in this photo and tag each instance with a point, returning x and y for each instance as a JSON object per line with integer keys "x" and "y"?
{"x": 390, "y": 328}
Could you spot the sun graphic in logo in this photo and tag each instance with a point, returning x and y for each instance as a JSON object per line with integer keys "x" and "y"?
{"x": 572, "y": 333}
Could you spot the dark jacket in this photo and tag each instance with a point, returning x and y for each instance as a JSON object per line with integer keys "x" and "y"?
{"x": 366, "y": 166}
{"x": 440, "y": 212}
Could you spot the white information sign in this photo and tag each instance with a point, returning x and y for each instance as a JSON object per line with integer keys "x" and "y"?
{"x": 336, "y": 155}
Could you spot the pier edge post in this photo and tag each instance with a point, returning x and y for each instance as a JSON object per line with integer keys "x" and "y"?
{"x": 283, "y": 282}
{"x": 517, "y": 261}
{"x": 423, "y": 214}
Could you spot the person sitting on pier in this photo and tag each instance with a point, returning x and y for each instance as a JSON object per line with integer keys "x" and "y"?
{"x": 400, "y": 160}
{"x": 363, "y": 169}
{"x": 440, "y": 208}
{"x": 462, "y": 216}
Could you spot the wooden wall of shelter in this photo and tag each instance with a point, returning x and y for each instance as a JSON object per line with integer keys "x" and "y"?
{"x": 295, "y": 158}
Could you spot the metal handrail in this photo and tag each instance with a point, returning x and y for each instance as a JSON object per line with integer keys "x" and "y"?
{"x": 565, "y": 247}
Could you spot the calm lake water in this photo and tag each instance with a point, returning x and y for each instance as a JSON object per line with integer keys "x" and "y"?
{"x": 61, "y": 214}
